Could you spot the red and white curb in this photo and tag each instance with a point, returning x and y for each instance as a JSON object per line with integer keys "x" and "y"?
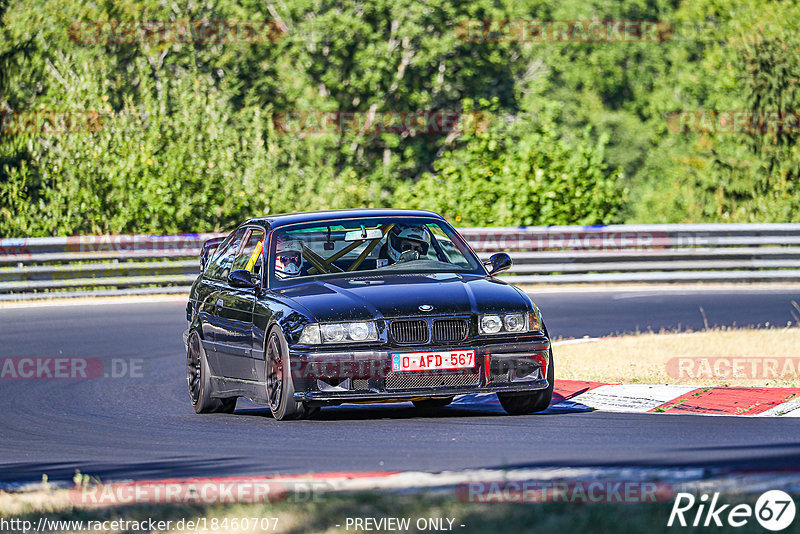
{"x": 678, "y": 399}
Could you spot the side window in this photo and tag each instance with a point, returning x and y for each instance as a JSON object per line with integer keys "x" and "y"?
{"x": 249, "y": 256}
{"x": 221, "y": 263}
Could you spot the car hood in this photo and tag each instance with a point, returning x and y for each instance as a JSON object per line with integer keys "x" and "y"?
{"x": 363, "y": 298}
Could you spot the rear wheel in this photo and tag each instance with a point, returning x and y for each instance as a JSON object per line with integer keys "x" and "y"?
{"x": 433, "y": 403}
{"x": 198, "y": 378}
{"x": 525, "y": 403}
{"x": 280, "y": 386}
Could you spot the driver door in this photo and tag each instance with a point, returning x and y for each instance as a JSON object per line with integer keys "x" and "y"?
{"x": 235, "y": 311}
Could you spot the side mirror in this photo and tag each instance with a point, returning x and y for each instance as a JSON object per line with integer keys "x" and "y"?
{"x": 500, "y": 262}
{"x": 242, "y": 278}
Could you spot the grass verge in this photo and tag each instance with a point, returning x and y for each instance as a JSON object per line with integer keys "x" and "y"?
{"x": 644, "y": 358}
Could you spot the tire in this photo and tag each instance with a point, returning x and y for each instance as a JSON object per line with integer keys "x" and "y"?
{"x": 527, "y": 403}
{"x": 279, "y": 383}
{"x": 432, "y": 403}
{"x": 198, "y": 378}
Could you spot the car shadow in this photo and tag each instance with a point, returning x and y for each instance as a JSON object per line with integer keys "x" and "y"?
{"x": 474, "y": 405}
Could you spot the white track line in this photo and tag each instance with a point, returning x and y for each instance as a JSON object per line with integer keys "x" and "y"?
{"x": 786, "y": 409}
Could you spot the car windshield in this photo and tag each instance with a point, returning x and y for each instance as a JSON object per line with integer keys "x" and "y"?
{"x": 377, "y": 245}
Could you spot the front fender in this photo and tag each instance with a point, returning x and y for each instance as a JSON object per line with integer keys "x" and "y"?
{"x": 273, "y": 311}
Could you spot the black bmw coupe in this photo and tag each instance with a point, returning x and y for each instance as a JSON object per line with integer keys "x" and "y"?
{"x": 304, "y": 310}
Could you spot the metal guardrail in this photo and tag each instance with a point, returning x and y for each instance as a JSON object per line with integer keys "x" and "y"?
{"x": 141, "y": 264}
{"x": 646, "y": 253}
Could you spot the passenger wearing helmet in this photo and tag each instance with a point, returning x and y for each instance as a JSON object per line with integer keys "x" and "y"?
{"x": 406, "y": 243}
{"x": 288, "y": 258}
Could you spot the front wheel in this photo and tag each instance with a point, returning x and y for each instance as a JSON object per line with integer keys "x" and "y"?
{"x": 280, "y": 386}
{"x": 526, "y": 403}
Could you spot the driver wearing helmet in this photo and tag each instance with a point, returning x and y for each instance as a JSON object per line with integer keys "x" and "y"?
{"x": 288, "y": 258}
{"x": 406, "y": 243}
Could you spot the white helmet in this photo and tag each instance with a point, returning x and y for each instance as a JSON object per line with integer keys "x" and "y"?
{"x": 288, "y": 257}
{"x": 405, "y": 238}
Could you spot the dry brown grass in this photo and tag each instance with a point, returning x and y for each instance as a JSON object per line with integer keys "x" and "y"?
{"x": 12, "y": 504}
{"x": 642, "y": 358}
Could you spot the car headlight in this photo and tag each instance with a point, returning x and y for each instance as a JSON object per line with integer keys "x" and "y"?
{"x": 332, "y": 333}
{"x": 515, "y": 322}
{"x": 361, "y": 331}
{"x": 316, "y": 334}
{"x": 491, "y": 324}
{"x": 310, "y": 335}
{"x": 509, "y": 323}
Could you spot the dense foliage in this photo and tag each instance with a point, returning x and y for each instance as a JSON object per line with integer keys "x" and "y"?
{"x": 186, "y": 137}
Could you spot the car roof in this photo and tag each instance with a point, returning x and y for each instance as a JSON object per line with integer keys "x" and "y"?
{"x": 282, "y": 219}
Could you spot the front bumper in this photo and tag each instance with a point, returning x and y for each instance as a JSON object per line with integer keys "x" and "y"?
{"x": 365, "y": 375}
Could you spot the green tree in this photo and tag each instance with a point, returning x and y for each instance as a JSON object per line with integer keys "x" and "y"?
{"x": 520, "y": 172}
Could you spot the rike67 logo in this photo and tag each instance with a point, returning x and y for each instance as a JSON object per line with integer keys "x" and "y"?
{"x": 774, "y": 510}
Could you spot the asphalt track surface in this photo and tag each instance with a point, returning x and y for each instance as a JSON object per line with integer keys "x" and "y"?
{"x": 144, "y": 427}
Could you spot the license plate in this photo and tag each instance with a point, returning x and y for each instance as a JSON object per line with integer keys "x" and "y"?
{"x": 427, "y": 361}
